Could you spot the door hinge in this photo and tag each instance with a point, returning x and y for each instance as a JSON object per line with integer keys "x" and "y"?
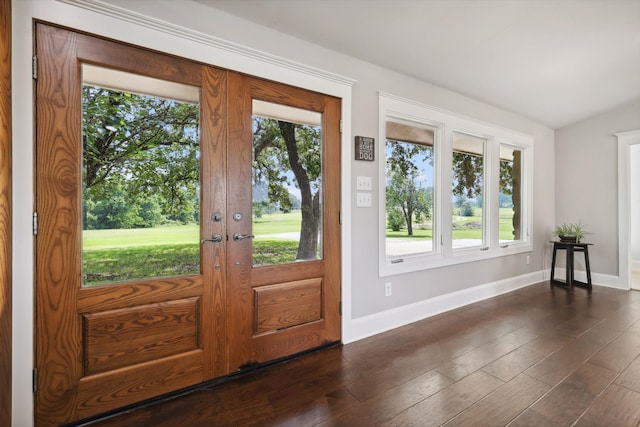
{"x": 34, "y": 67}
{"x": 340, "y": 217}
{"x": 35, "y": 223}
{"x": 340, "y": 308}
{"x": 340, "y": 125}
{"x": 34, "y": 375}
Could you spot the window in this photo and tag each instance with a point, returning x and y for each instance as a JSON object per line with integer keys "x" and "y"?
{"x": 140, "y": 177}
{"x": 453, "y": 189}
{"x": 467, "y": 177}
{"x": 510, "y": 196}
{"x": 409, "y": 179}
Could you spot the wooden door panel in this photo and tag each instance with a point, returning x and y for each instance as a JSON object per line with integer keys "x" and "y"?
{"x": 106, "y": 346}
{"x": 58, "y": 330}
{"x": 114, "y": 389}
{"x": 279, "y": 310}
{"x": 285, "y": 305}
{"x": 124, "y": 337}
{"x": 132, "y": 294}
{"x": 102, "y": 347}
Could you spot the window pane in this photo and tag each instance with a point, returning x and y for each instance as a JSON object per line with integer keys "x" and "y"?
{"x": 140, "y": 176}
{"x": 468, "y": 191}
{"x": 510, "y": 193}
{"x": 409, "y": 180}
{"x": 287, "y": 184}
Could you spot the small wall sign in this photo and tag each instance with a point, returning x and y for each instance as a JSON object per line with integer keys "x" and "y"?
{"x": 365, "y": 149}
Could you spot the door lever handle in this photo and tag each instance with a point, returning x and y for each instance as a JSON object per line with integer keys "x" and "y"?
{"x": 217, "y": 238}
{"x": 237, "y": 237}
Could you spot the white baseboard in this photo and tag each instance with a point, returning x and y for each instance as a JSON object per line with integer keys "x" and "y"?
{"x": 367, "y": 326}
{"x": 597, "y": 279}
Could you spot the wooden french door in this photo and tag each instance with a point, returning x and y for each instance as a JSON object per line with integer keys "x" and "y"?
{"x": 129, "y": 305}
{"x": 283, "y": 306}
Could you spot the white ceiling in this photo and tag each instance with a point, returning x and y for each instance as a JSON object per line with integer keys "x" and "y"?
{"x": 555, "y": 61}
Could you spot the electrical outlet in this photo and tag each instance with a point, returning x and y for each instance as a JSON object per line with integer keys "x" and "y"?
{"x": 387, "y": 289}
{"x": 528, "y": 260}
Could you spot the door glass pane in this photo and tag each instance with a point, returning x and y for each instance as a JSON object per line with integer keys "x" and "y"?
{"x": 409, "y": 184}
{"x": 467, "y": 223}
{"x": 287, "y": 184}
{"x": 140, "y": 177}
{"x": 510, "y": 193}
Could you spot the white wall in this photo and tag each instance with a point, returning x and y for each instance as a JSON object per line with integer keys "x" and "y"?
{"x": 368, "y": 311}
{"x": 586, "y": 181}
{"x": 367, "y": 288}
{"x": 634, "y": 191}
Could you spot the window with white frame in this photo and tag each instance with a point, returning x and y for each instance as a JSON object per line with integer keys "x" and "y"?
{"x": 453, "y": 189}
{"x": 468, "y": 227}
{"x": 409, "y": 184}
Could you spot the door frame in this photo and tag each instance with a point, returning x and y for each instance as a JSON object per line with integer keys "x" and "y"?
{"x": 5, "y": 214}
{"x": 114, "y": 22}
{"x": 625, "y": 141}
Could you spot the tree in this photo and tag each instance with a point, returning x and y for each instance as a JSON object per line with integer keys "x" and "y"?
{"x": 467, "y": 174}
{"x": 396, "y": 219}
{"x": 466, "y": 209}
{"x": 284, "y": 154}
{"x": 404, "y": 189}
{"x": 145, "y": 147}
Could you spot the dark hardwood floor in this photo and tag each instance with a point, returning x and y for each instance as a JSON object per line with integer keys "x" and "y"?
{"x": 538, "y": 356}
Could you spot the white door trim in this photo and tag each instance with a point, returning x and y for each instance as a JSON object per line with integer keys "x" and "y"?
{"x": 625, "y": 141}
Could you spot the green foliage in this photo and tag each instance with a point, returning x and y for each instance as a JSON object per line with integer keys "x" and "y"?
{"x": 576, "y": 230}
{"x": 466, "y": 209}
{"x": 405, "y": 191}
{"x": 288, "y": 155}
{"x": 506, "y": 177}
{"x": 395, "y": 219}
{"x": 467, "y": 174}
{"x": 140, "y": 160}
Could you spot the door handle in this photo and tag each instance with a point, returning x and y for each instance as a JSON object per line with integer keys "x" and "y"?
{"x": 217, "y": 238}
{"x": 237, "y": 237}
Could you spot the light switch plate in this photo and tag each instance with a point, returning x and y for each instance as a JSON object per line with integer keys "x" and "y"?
{"x": 363, "y": 183}
{"x": 363, "y": 200}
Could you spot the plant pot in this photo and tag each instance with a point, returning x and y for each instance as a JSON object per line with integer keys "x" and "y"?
{"x": 568, "y": 239}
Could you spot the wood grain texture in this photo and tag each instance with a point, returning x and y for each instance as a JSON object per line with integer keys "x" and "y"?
{"x": 213, "y": 174}
{"x": 114, "y": 389}
{"x": 616, "y": 406}
{"x": 109, "y": 297}
{"x": 573, "y": 395}
{"x": 5, "y": 213}
{"x": 118, "y": 338}
{"x": 392, "y": 378}
{"x": 250, "y": 349}
{"x": 150, "y": 331}
{"x": 285, "y": 305}
{"x": 504, "y": 404}
{"x": 58, "y": 257}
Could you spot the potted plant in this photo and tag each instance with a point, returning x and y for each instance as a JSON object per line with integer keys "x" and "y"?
{"x": 570, "y": 232}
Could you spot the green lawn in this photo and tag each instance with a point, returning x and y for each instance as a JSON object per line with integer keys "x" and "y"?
{"x": 166, "y": 235}
{"x": 462, "y": 228}
{"x": 278, "y": 223}
{"x": 130, "y": 254}
{"x": 120, "y": 255}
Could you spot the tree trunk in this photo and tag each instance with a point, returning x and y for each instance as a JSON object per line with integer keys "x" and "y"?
{"x": 516, "y": 195}
{"x": 308, "y": 245}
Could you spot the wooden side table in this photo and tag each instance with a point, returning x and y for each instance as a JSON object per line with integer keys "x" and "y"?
{"x": 571, "y": 249}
